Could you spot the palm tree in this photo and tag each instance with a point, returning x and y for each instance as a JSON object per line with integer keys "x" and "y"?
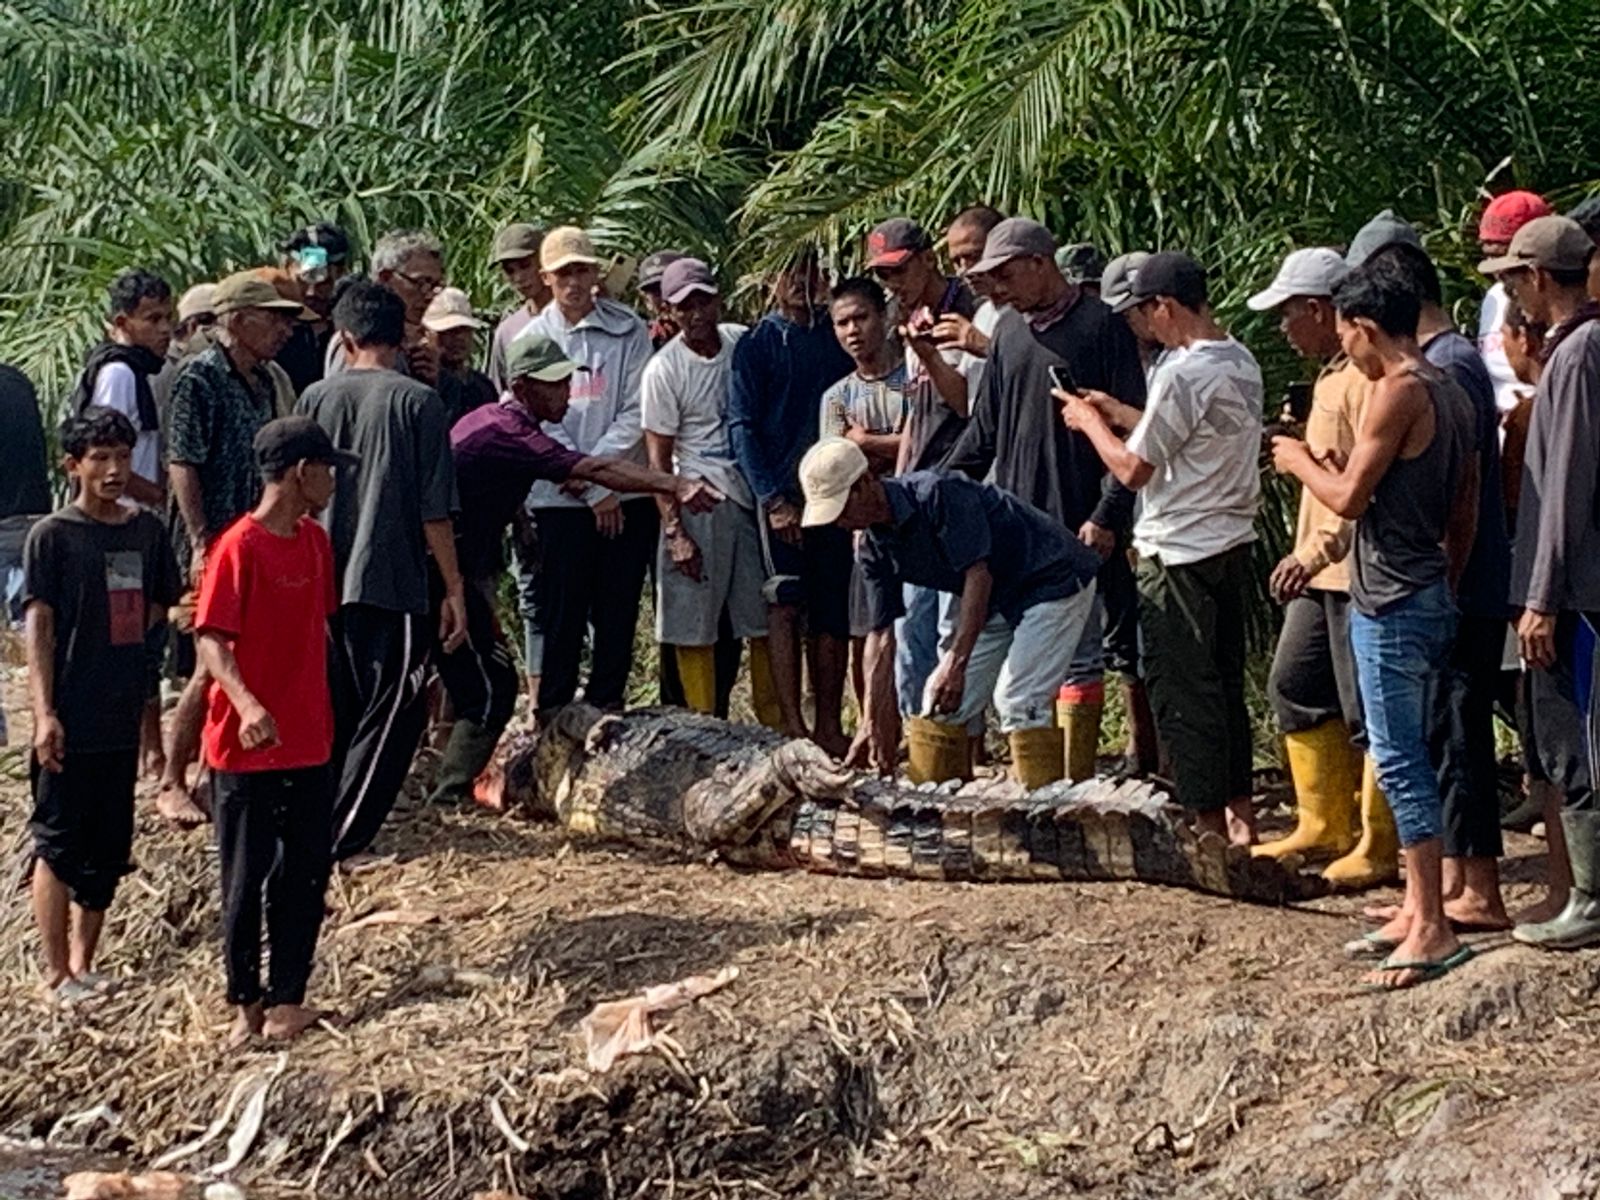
{"x": 191, "y": 139}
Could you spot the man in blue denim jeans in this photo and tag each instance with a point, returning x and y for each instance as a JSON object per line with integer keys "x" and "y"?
{"x": 1411, "y": 486}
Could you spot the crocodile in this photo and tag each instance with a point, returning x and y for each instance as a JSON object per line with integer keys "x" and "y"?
{"x": 759, "y": 800}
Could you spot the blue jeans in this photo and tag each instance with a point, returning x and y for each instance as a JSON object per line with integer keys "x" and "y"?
{"x": 916, "y": 645}
{"x": 1399, "y": 657}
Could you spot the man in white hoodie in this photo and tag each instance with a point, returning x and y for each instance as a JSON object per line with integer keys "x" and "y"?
{"x": 595, "y": 545}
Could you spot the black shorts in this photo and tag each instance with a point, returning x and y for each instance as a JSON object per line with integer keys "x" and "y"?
{"x": 82, "y": 822}
{"x": 813, "y": 576}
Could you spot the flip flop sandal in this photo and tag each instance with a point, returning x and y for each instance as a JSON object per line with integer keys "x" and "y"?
{"x": 1427, "y": 971}
{"x": 1371, "y": 944}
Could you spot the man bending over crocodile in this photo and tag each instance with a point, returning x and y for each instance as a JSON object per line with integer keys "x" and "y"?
{"x": 1026, "y": 588}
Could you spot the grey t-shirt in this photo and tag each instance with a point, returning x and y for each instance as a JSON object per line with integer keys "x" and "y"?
{"x": 399, "y": 429}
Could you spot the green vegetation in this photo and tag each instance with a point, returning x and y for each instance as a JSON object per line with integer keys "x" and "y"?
{"x": 189, "y": 135}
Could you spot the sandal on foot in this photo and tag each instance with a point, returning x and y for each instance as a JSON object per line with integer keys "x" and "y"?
{"x": 1371, "y": 944}
{"x": 1426, "y": 971}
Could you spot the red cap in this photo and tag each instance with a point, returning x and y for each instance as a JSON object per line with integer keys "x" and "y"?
{"x": 1510, "y": 212}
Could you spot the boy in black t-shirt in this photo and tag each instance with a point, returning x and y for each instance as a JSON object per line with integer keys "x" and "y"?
{"x": 98, "y": 575}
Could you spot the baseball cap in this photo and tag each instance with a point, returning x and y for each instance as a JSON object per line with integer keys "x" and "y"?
{"x": 826, "y": 474}
{"x": 1116, "y": 281}
{"x": 1015, "y": 237}
{"x": 1311, "y": 272}
{"x": 686, "y": 275}
{"x": 450, "y": 309}
{"x": 655, "y": 266}
{"x": 1385, "y": 229}
{"x": 565, "y": 245}
{"x": 246, "y": 289}
{"x": 1081, "y": 263}
{"x": 516, "y": 241}
{"x": 198, "y": 301}
{"x": 537, "y": 356}
{"x": 1509, "y": 212}
{"x": 1169, "y": 273}
{"x": 286, "y": 441}
{"x": 1549, "y": 243}
{"x": 894, "y": 241}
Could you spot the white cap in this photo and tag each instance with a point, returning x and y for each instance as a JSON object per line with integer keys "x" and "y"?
{"x": 450, "y": 309}
{"x": 1313, "y": 272}
{"x": 826, "y": 474}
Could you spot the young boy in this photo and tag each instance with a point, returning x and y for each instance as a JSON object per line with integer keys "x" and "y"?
{"x": 98, "y": 576}
{"x": 868, "y": 406}
{"x": 262, "y": 626}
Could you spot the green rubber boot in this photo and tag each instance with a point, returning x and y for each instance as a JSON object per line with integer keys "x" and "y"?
{"x": 466, "y": 754}
{"x": 1578, "y": 924}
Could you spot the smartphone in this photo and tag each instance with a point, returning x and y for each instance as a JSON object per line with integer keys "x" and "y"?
{"x": 1061, "y": 376}
{"x": 1297, "y": 399}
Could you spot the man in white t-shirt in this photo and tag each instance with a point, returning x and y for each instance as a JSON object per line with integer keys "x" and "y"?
{"x": 117, "y": 372}
{"x": 708, "y": 563}
{"x": 1192, "y": 455}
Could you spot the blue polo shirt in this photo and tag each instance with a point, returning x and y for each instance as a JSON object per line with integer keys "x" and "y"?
{"x": 942, "y": 523}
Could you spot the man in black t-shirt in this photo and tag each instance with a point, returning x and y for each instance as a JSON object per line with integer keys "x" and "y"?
{"x": 24, "y": 483}
{"x": 99, "y": 575}
{"x": 1016, "y": 430}
{"x": 388, "y": 517}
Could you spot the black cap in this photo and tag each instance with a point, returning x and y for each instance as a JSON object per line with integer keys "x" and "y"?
{"x": 894, "y": 241}
{"x": 287, "y": 441}
{"x": 1169, "y": 273}
{"x": 655, "y": 266}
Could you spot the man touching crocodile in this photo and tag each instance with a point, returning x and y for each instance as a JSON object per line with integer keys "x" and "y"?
{"x": 1026, "y": 588}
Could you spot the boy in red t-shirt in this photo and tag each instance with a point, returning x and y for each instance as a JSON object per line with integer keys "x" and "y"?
{"x": 262, "y": 625}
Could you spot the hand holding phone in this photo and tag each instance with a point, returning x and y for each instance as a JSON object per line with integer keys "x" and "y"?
{"x": 1061, "y": 377}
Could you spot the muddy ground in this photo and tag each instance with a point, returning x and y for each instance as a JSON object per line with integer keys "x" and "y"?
{"x": 883, "y": 1039}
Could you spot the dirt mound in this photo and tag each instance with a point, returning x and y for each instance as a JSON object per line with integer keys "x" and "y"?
{"x": 882, "y": 1039}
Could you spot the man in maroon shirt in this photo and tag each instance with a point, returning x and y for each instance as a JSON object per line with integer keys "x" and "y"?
{"x": 499, "y": 451}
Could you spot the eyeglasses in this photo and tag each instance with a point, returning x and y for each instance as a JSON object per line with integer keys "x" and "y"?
{"x": 426, "y": 286}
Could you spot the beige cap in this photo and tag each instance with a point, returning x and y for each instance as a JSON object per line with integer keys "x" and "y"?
{"x": 247, "y": 289}
{"x": 565, "y": 245}
{"x": 1544, "y": 243}
{"x": 827, "y": 473}
{"x": 198, "y": 301}
{"x": 450, "y": 309}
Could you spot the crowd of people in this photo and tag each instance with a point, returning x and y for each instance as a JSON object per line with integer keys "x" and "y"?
{"x": 976, "y": 477}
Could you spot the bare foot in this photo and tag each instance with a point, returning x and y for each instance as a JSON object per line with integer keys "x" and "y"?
{"x": 246, "y": 1025}
{"x": 1241, "y": 823}
{"x": 1476, "y": 914}
{"x": 1467, "y": 915}
{"x": 365, "y": 861}
{"x": 285, "y": 1022}
{"x": 178, "y": 808}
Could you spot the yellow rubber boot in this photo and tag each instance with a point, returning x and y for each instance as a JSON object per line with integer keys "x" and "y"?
{"x": 1036, "y": 756}
{"x": 697, "y": 672}
{"x": 1078, "y": 710}
{"x": 763, "y": 693}
{"x": 937, "y": 751}
{"x": 1376, "y": 858}
{"x": 1327, "y": 774}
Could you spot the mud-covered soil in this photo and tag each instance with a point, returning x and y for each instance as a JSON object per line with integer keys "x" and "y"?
{"x": 882, "y": 1039}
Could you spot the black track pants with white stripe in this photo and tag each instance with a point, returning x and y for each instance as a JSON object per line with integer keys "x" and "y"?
{"x": 380, "y": 668}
